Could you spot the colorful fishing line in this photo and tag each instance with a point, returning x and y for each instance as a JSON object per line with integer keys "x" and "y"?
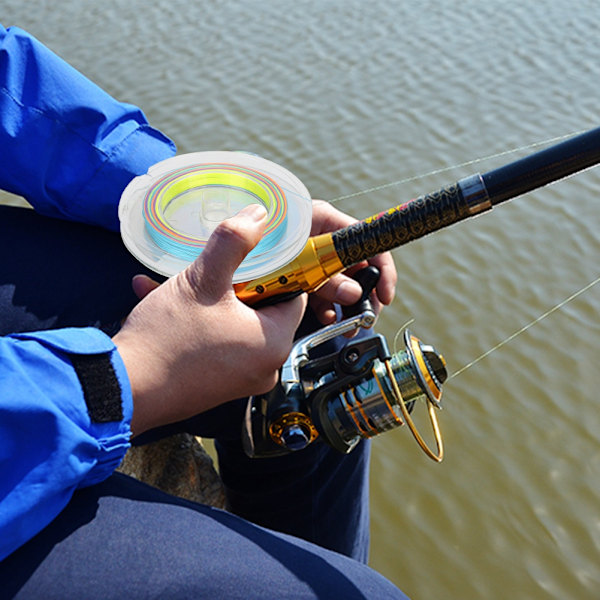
{"x": 174, "y": 186}
{"x": 168, "y": 214}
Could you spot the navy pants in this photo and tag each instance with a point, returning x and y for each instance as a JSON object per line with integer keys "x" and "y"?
{"x": 297, "y": 526}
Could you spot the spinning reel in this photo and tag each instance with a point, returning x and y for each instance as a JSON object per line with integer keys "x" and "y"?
{"x": 358, "y": 392}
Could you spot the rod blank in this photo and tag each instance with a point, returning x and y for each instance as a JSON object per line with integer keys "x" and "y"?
{"x": 470, "y": 196}
{"x": 544, "y": 167}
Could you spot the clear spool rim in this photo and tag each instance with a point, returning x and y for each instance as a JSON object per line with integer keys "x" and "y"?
{"x": 148, "y": 236}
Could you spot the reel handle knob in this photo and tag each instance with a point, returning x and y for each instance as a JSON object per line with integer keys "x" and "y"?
{"x": 367, "y": 278}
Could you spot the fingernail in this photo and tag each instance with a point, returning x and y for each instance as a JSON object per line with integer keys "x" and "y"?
{"x": 348, "y": 292}
{"x": 256, "y": 212}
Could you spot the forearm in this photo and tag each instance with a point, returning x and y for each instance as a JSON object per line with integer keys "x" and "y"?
{"x": 54, "y": 437}
{"x": 67, "y": 146}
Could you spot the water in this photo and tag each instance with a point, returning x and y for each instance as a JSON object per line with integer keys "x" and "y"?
{"x": 351, "y": 95}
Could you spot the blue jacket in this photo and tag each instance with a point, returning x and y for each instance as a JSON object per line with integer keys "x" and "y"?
{"x": 69, "y": 149}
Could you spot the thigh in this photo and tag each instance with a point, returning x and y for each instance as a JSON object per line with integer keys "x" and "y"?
{"x": 317, "y": 494}
{"x": 57, "y": 273}
{"x": 122, "y": 539}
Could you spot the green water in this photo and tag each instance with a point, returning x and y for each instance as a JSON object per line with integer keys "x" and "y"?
{"x": 351, "y": 96}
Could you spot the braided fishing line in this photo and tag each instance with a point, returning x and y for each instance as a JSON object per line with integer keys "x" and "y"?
{"x": 209, "y": 190}
{"x": 168, "y": 214}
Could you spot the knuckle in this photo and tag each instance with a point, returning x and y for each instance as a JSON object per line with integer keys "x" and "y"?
{"x": 227, "y": 232}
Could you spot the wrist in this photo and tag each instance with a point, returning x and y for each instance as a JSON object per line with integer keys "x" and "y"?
{"x": 145, "y": 382}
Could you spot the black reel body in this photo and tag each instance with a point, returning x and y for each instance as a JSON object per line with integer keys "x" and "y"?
{"x": 345, "y": 403}
{"x": 358, "y": 392}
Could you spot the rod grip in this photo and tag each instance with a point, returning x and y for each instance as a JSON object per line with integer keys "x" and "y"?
{"x": 400, "y": 225}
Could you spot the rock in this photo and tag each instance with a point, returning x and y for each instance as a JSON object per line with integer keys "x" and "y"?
{"x": 178, "y": 465}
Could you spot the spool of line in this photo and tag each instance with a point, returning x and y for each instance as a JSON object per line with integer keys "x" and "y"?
{"x": 210, "y": 188}
{"x": 168, "y": 214}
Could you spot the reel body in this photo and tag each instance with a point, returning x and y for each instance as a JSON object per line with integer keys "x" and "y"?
{"x": 359, "y": 392}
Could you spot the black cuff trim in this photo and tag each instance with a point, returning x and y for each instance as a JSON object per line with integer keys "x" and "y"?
{"x": 101, "y": 388}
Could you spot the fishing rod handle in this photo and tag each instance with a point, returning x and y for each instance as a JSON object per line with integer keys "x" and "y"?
{"x": 327, "y": 254}
{"x": 412, "y": 220}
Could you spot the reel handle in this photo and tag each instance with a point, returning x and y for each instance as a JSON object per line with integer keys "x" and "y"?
{"x": 367, "y": 278}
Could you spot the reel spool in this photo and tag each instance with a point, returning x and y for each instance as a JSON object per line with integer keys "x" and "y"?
{"x": 168, "y": 214}
{"x": 385, "y": 397}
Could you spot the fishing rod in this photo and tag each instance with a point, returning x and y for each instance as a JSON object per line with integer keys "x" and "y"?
{"x": 365, "y": 390}
{"x": 328, "y": 254}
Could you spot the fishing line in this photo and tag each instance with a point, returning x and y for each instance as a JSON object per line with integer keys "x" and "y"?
{"x": 445, "y": 169}
{"x": 531, "y": 172}
{"x": 399, "y": 333}
{"x": 510, "y": 337}
{"x": 525, "y": 328}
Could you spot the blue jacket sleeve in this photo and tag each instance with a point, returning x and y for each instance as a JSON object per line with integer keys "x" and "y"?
{"x": 66, "y": 146}
{"x": 51, "y": 443}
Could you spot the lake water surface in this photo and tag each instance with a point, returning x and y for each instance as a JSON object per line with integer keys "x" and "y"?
{"x": 353, "y": 96}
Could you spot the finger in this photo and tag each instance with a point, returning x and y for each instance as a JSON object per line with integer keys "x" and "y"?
{"x": 142, "y": 285}
{"x": 326, "y": 314}
{"x": 226, "y": 248}
{"x": 340, "y": 289}
{"x": 280, "y": 323}
{"x": 323, "y": 309}
{"x": 386, "y": 286}
{"x": 286, "y": 315}
{"x": 376, "y": 303}
{"x": 326, "y": 218}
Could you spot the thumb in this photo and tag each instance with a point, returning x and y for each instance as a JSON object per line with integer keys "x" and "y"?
{"x": 227, "y": 247}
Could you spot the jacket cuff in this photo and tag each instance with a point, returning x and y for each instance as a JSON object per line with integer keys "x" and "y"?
{"x": 105, "y": 387}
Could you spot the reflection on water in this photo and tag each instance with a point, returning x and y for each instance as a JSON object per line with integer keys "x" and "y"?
{"x": 349, "y": 96}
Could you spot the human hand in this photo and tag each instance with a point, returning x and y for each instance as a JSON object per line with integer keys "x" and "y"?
{"x": 190, "y": 344}
{"x": 342, "y": 289}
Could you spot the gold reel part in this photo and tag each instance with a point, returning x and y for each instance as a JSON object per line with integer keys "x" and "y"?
{"x": 279, "y": 426}
{"x": 411, "y": 425}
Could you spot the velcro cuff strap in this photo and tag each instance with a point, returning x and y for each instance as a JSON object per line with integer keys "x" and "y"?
{"x": 101, "y": 388}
